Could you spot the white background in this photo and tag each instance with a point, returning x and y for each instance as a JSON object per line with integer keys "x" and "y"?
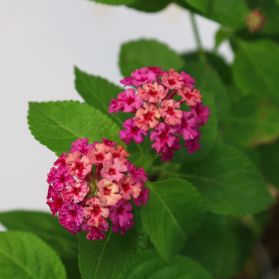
{"x": 40, "y": 42}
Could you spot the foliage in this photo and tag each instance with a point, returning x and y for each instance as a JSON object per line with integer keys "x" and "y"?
{"x": 192, "y": 226}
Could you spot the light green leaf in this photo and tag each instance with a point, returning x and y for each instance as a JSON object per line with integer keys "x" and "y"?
{"x": 253, "y": 121}
{"x": 253, "y": 71}
{"x": 57, "y": 124}
{"x": 150, "y": 266}
{"x": 141, "y": 53}
{"x": 97, "y": 92}
{"x": 108, "y": 258}
{"x": 230, "y": 13}
{"x": 269, "y": 161}
{"x": 48, "y": 229}
{"x": 228, "y": 182}
{"x": 23, "y": 255}
{"x": 220, "y": 245}
{"x": 173, "y": 213}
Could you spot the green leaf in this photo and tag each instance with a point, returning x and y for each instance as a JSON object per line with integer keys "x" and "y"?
{"x": 230, "y": 13}
{"x": 269, "y": 161}
{"x": 97, "y": 92}
{"x": 253, "y": 121}
{"x": 253, "y": 71}
{"x": 115, "y": 2}
{"x": 149, "y": 6}
{"x": 23, "y": 255}
{"x": 57, "y": 124}
{"x": 173, "y": 213}
{"x": 223, "y": 34}
{"x": 218, "y": 247}
{"x": 141, "y": 53}
{"x": 48, "y": 229}
{"x": 150, "y": 266}
{"x": 108, "y": 258}
{"x": 228, "y": 182}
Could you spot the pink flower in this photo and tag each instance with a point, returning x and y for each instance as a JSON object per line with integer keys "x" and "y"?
{"x": 99, "y": 154}
{"x": 75, "y": 192}
{"x": 59, "y": 177}
{"x": 78, "y": 165}
{"x": 130, "y": 188}
{"x": 163, "y": 136}
{"x": 122, "y": 217}
{"x": 147, "y": 117}
{"x": 188, "y": 127}
{"x": 202, "y": 113}
{"x": 142, "y": 198}
{"x": 140, "y": 77}
{"x": 193, "y": 145}
{"x": 170, "y": 112}
{"x": 172, "y": 79}
{"x": 95, "y": 234}
{"x": 54, "y": 200}
{"x": 132, "y": 132}
{"x": 108, "y": 192}
{"x": 95, "y": 212}
{"x": 191, "y": 96}
{"x": 127, "y": 101}
{"x": 80, "y": 145}
{"x": 71, "y": 217}
{"x": 152, "y": 92}
{"x": 137, "y": 173}
{"x": 166, "y": 97}
{"x": 188, "y": 80}
{"x": 114, "y": 172}
{"x": 89, "y": 185}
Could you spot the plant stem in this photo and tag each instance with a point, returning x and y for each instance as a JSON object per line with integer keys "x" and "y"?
{"x": 197, "y": 37}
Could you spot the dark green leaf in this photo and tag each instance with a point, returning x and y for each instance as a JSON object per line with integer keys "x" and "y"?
{"x": 254, "y": 120}
{"x": 217, "y": 246}
{"x": 57, "y": 124}
{"x": 228, "y": 182}
{"x": 174, "y": 211}
{"x": 230, "y": 13}
{"x": 23, "y": 255}
{"x": 141, "y": 53}
{"x": 269, "y": 158}
{"x": 149, "y": 6}
{"x": 48, "y": 229}
{"x": 150, "y": 266}
{"x": 108, "y": 258}
{"x": 253, "y": 71}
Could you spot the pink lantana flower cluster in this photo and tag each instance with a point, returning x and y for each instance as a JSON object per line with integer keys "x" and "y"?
{"x": 165, "y": 106}
{"x": 94, "y": 187}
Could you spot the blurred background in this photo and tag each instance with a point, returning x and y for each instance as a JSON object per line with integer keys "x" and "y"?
{"x": 41, "y": 41}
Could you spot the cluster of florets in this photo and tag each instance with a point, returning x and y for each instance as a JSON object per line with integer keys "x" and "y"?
{"x": 167, "y": 104}
{"x": 255, "y": 21}
{"x": 92, "y": 187}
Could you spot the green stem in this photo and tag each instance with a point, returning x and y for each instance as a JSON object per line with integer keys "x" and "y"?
{"x": 197, "y": 37}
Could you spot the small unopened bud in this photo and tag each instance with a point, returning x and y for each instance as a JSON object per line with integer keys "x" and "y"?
{"x": 255, "y": 21}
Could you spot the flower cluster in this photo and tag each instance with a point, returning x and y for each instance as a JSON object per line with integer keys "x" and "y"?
{"x": 92, "y": 186}
{"x": 255, "y": 21}
{"x": 167, "y": 104}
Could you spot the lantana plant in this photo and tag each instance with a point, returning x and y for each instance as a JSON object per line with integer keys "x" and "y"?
{"x": 170, "y": 173}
